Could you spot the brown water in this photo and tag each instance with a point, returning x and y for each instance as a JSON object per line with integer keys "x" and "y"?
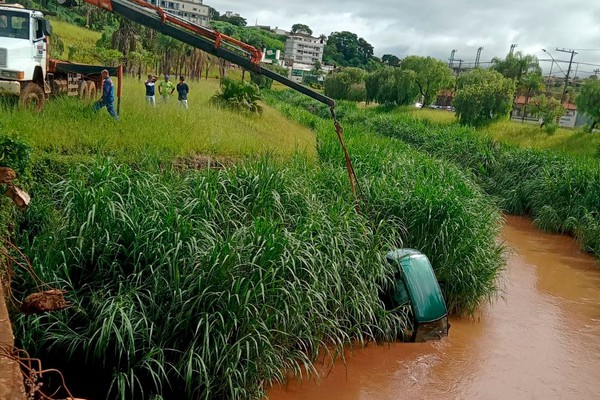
{"x": 542, "y": 341}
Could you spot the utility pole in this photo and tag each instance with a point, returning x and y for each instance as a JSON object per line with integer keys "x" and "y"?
{"x": 573, "y": 52}
{"x": 512, "y": 48}
{"x": 478, "y": 57}
{"x": 451, "y": 64}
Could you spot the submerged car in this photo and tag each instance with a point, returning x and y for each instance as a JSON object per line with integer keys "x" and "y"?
{"x": 417, "y": 287}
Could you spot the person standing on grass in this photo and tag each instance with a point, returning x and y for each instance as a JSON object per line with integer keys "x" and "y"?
{"x": 108, "y": 96}
{"x": 150, "y": 90}
{"x": 182, "y": 92}
{"x": 166, "y": 89}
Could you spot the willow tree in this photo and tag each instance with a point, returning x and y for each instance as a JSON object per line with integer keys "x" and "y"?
{"x": 431, "y": 75}
{"x": 483, "y": 96}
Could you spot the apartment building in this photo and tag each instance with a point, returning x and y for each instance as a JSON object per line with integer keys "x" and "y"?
{"x": 303, "y": 49}
{"x": 191, "y": 10}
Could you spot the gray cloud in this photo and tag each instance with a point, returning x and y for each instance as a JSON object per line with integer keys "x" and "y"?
{"x": 436, "y": 27}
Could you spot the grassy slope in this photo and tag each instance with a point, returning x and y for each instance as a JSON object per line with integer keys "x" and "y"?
{"x": 571, "y": 141}
{"x": 68, "y": 126}
{"x": 73, "y": 35}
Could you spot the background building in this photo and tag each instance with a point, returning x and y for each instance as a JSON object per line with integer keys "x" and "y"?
{"x": 304, "y": 49}
{"x": 191, "y": 10}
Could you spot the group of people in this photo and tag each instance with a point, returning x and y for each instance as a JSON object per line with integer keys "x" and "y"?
{"x": 166, "y": 90}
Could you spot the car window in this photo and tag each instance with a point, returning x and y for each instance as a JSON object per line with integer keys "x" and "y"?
{"x": 14, "y": 25}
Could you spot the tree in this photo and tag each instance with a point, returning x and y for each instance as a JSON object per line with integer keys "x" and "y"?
{"x": 483, "y": 96}
{"x": 301, "y": 28}
{"x": 391, "y": 60}
{"x": 549, "y": 110}
{"x": 234, "y": 20}
{"x": 347, "y": 49}
{"x": 391, "y": 86}
{"x": 516, "y": 65}
{"x": 588, "y": 101}
{"x": 346, "y": 85}
{"x": 431, "y": 75}
{"x": 531, "y": 84}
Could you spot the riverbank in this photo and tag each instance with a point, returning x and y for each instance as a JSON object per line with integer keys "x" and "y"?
{"x": 541, "y": 340}
{"x": 561, "y": 193}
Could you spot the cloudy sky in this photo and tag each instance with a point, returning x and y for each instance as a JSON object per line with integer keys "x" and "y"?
{"x": 435, "y": 27}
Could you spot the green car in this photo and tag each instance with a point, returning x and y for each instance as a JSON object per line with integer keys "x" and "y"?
{"x": 417, "y": 286}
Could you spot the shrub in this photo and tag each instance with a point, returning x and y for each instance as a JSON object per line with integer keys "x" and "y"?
{"x": 238, "y": 95}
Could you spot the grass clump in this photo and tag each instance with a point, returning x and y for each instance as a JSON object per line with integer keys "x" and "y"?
{"x": 238, "y": 95}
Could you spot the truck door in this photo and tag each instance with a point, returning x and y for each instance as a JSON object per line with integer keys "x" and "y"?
{"x": 39, "y": 43}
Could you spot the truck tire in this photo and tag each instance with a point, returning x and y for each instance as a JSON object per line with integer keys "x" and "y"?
{"x": 92, "y": 90}
{"x": 32, "y": 96}
{"x": 83, "y": 90}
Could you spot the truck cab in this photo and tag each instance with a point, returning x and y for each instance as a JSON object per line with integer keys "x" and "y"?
{"x": 23, "y": 50}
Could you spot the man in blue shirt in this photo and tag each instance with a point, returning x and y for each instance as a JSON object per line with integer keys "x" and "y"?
{"x": 108, "y": 96}
{"x": 182, "y": 92}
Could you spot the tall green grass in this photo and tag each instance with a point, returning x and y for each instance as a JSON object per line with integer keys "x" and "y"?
{"x": 560, "y": 192}
{"x": 445, "y": 214}
{"x": 205, "y": 285}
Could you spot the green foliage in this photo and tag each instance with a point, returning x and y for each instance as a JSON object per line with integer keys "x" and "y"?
{"x": 238, "y": 95}
{"x": 483, "y": 96}
{"x": 390, "y": 60}
{"x": 391, "y": 86}
{"x": 346, "y": 85}
{"x": 15, "y": 153}
{"x": 588, "y": 101}
{"x": 205, "y": 285}
{"x": 262, "y": 81}
{"x": 549, "y": 110}
{"x": 558, "y": 191}
{"x": 445, "y": 214}
{"x": 516, "y": 66}
{"x": 301, "y": 28}
{"x": 233, "y": 20}
{"x": 347, "y": 49}
{"x": 431, "y": 75}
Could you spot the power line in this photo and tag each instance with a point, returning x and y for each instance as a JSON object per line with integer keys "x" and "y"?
{"x": 573, "y": 52}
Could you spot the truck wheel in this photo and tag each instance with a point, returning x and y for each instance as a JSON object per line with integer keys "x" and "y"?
{"x": 32, "y": 96}
{"x": 92, "y": 90}
{"x": 83, "y": 90}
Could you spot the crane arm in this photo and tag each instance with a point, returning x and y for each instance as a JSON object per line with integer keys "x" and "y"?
{"x": 205, "y": 39}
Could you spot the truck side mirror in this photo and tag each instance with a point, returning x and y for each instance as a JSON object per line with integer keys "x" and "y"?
{"x": 47, "y": 28}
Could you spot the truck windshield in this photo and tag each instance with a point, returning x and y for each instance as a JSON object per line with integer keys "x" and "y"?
{"x": 14, "y": 24}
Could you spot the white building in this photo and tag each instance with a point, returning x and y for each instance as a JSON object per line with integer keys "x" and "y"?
{"x": 303, "y": 49}
{"x": 191, "y": 10}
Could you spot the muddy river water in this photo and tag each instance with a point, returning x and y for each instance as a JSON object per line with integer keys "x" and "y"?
{"x": 540, "y": 341}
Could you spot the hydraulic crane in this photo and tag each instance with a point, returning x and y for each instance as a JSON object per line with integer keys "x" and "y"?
{"x": 208, "y": 40}
{"x": 217, "y": 44}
